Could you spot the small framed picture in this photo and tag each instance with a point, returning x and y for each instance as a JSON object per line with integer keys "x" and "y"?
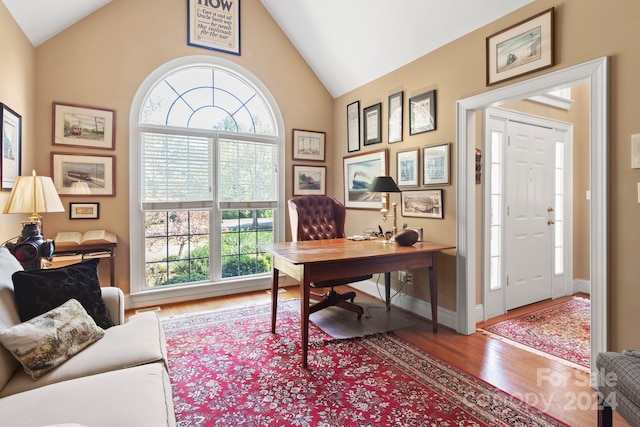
{"x": 308, "y": 145}
{"x": 521, "y": 49}
{"x": 422, "y": 204}
{"x": 353, "y": 127}
{"x": 435, "y": 164}
{"x": 422, "y": 113}
{"x": 11, "y": 145}
{"x": 86, "y": 127}
{"x": 407, "y": 168}
{"x": 83, "y": 174}
{"x": 84, "y": 210}
{"x": 309, "y": 180}
{"x": 372, "y": 124}
{"x": 395, "y": 117}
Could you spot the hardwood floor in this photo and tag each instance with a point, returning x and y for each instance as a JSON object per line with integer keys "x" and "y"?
{"x": 554, "y": 388}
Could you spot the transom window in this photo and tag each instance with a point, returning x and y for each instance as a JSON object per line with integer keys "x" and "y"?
{"x": 208, "y": 151}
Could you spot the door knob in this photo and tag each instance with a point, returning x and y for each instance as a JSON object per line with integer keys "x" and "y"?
{"x": 549, "y": 209}
{"x": 551, "y": 222}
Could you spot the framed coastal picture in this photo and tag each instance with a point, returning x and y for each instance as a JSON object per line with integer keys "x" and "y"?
{"x": 81, "y": 126}
{"x": 359, "y": 172}
{"x": 83, "y": 174}
{"x": 422, "y": 204}
{"x": 308, "y": 145}
{"x": 11, "y": 145}
{"x": 309, "y": 180}
{"x": 521, "y": 49}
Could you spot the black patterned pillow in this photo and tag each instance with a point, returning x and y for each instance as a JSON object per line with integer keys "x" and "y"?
{"x": 38, "y": 291}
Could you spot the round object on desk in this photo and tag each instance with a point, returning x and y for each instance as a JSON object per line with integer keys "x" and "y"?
{"x": 406, "y": 237}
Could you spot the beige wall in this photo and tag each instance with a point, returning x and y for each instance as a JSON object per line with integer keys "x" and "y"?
{"x": 585, "y": 30}
{"x": 102, "y": 60}
{"x": 17, "y": 73}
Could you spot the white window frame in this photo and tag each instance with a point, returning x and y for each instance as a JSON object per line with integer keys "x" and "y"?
{"x": 139, "y": 294}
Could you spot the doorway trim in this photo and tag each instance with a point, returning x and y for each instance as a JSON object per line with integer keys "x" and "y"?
{"x": 595, "y": 72}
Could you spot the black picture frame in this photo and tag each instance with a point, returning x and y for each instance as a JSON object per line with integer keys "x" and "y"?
{"x": 422, "y": 113}
{"x": 395, "y": 117}
{"x": 10, "y": 146}
{"x": 372, "y": 117}
{"x": 353, "y": 127}
{"x": 84, "y": 210}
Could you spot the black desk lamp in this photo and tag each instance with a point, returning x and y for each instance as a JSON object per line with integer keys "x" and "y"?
{"x": 385, "y": 185}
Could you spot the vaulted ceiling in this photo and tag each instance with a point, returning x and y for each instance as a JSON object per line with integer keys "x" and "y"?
{"x": 347, "y": 43}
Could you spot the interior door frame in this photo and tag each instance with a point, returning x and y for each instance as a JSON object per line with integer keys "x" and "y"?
{"x": 595, "y": 72}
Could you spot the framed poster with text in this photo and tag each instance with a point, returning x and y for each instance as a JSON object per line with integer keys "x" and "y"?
{"x": 214, "y": 24}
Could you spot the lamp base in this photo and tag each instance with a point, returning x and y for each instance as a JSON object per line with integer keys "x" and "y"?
{"x": 31, "y": 247}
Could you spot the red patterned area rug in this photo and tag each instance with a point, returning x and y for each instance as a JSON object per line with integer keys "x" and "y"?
{"x": 227, "y": 369}
{"x": 561, "y": 332}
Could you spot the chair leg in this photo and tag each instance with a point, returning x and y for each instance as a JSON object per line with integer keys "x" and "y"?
{"x": 605, "y": 414}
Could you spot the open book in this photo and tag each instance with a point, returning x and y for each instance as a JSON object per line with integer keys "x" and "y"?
{"x": 92, "y": 237}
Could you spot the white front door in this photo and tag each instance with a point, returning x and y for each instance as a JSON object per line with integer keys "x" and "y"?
{"x": 529, "y": 214}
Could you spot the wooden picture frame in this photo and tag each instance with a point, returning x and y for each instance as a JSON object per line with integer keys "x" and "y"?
{"x": 308, "y": 145}
{"x": 521, "y": 49}
{"x": 436, "y": 164}
{"x": 422, "y": 204}
{"x": 422, "y": 113}
{"x": 84, "y": 210}
{"x": 372, "y": 117}
{"x": 214, "y": 25}
{"x": 359, "y": 171}
{"x": 353, "y": 127}
{"x": 309, "y": 180}
{"x": 408, "y": 167}
{"x": 82, "y": 126}
{"x": 11, "y": 146}
{"x": 92, "y": 174}
{"x": 395, "y": 116}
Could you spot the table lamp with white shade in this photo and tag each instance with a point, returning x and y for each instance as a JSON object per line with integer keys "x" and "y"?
{"x": 34, "y": 195}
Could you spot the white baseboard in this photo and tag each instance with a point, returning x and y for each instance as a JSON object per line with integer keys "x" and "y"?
{"x": 582, "y": 285}
{"x": 411, "y": 304}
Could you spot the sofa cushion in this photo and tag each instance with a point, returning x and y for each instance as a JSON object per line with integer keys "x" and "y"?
{"x": 139, "y": 341}
{"x": 39, "y": 291}
{"x": 48, "y": 340}
{"x": 138, "y": 396}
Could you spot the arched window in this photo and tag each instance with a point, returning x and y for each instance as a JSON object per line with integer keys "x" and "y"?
{"x": 205, "y": 155}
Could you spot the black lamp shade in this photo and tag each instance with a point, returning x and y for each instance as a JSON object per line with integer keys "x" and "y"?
{"x": 383, "y": 184}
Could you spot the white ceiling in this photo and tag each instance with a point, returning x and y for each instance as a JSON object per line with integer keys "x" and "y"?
{"x": 347, "y": 43}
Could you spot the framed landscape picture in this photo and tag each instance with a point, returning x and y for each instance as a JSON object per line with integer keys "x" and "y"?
{"x": 83, "y": 174}
{"x": 308, "y": 145}
{"x": 309, "y": 180}
{"x": 422, "y": 204}
{"x": 86, "y": 127}
{"x": 359, "y": 172}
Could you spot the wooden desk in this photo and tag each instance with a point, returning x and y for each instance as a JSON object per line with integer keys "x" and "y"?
{"x": 100, "y": 250}
{"x": 316, "y": 260}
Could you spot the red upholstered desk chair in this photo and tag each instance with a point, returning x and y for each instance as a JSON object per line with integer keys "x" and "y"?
{"x": 317, "y": 218}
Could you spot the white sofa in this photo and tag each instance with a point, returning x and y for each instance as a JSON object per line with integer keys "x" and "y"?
{"x": 120, "y": 380}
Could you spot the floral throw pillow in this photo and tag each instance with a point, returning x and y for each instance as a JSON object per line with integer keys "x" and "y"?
{"x": 52, "y": 338}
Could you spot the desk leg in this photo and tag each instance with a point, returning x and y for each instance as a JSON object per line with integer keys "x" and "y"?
{"x": 387, "y": 290}
{"x": 433, "y": 291}
{"x": 274, "y": 298}
{"x": 304, "y": 317}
